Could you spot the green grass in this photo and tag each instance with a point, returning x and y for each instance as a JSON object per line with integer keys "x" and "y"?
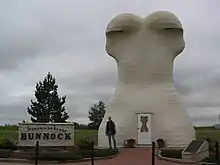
{"x": 84, "y": 133}
{"x": 8, "y": 132}
{"x": 208, "y": 132}
{"x": 11, "y": 132}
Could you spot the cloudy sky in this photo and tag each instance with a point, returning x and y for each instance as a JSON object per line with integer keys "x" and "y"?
{"x": 66, "y": 38}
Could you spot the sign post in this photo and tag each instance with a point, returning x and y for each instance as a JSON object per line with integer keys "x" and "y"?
{"x": 36, "y": 152}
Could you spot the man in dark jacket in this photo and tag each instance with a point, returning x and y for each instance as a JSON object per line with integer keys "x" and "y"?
{"x": 110, "y": 131}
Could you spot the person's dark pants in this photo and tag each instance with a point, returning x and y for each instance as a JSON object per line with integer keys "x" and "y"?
{"x": 110, "y": 138}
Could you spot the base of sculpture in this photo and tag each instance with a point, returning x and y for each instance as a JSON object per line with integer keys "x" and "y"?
{"x": 181, "y": 138}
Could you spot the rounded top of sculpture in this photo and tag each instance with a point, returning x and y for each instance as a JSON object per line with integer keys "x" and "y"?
{"x": 124, "y": 21}
{"x": 163, "y": 19}
{"x": 132, "y": 37}
{"x": 129, "y": 21}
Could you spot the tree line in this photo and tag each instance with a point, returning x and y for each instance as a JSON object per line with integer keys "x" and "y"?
{"x": 48, "y": 106}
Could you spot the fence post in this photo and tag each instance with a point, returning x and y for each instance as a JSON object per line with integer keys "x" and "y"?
{"x": 217, "y": 153}
{"x": 92, "y": 153}
{"x": 36, "y": 152}
{"x": 153, "y": 153}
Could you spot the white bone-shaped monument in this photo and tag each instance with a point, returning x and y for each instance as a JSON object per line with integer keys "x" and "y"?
{"x": 145, "y": 49}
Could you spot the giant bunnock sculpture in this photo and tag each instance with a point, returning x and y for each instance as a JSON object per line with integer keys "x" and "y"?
{"x": 145, "y": 49}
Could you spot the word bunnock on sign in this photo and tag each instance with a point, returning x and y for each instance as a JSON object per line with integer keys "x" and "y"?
{"x": 48, "y": 134}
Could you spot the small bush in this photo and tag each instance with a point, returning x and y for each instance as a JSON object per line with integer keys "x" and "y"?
{"x": 5, "y": 153}
{"x": 61, "y": 157}
{"x": 209, "y": 140}
{"x": 85, "y": 144}
{"x": 98, "y": 153}
{"x": 210, "y": 159}
{"x": 161, "y": 143}
{"x": 105, "y": 152}
{"x": 7, "y": 144}
{"x": 131, "y": 143}
{"x": 172, "y": 153}
{"x": 211, "y": 144}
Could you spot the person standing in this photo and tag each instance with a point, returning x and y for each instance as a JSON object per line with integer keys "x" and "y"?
{"x": 111, "y": 132}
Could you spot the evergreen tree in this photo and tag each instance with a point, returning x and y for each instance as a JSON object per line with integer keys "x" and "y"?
{"x": 48, "y": 107}
{"x": 96, "y": 114}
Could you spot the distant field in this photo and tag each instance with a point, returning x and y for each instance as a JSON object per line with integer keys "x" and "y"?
{"x": 10, "y": 132}
{"x": 208, "y": 132}
{"x": 83, "y": 133}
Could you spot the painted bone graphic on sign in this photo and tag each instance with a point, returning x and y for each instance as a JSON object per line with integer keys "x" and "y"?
{"x": 145, "y": 49}
{"x": 144, "y": 120}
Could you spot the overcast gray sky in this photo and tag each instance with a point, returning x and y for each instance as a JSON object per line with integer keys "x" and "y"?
{"x": 66, "y": 38}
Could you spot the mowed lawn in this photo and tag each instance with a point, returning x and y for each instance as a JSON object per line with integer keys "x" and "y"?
{"x": 10, "y": 132}
{"x": 208, "y": 132}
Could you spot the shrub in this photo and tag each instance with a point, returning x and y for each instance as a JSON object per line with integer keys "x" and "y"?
{"x": 98, "y": 153}
{"x": 105, "y": 152}
{"x": 210, "y": 159}
{"x": 172, "y": 153}
{"x": 161, "y": 143}
{"x": 131, "y": 143}
{"x": 85, "y": 144}
{"x": 7, "y": 144}
{"x": 211, "y": 144}
{"x": 61, "y": 157}
{"x": 209, "y": 140}
{"x": 5, "y": 153}
{"x": 75, "y": 156}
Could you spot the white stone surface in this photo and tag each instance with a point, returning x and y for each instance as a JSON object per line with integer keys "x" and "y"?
{"x": 48, "y": 134}
{"x": 202, "y": 153}
{"x": 145, "y": 49}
